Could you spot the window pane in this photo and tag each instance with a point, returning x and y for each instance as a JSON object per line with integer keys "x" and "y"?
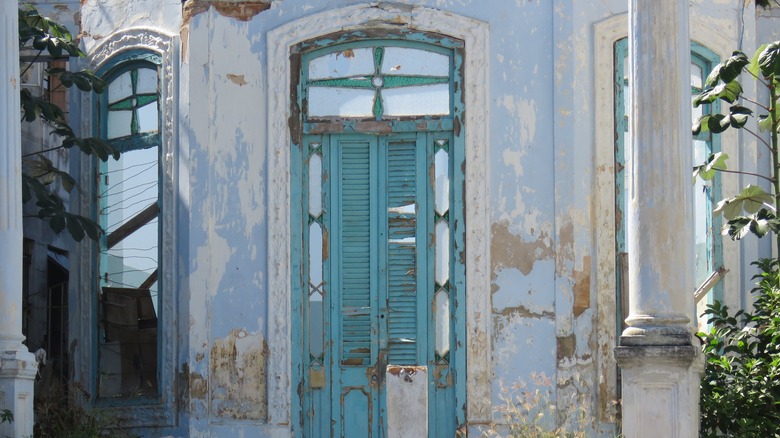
{"x": 120, "y": 88}
{"x": 442, "y": 182}
{"x": 315, "y": 185}
{"x": 696, "y": 76}
{"x": 400, "y": 60}
{"x": 420, "y": 100}
{"x": 147, "y": 81}
{"x": 119, "y": 123}
{"x": 441, "y": 307}
{"x": 442, "y": 253}
{"x": 128, "y": 272}
{"x": 132, "y": 187}
{"x": 315, "y": 254}
{"x": 315, "y": 325}
{"x": 343, "y": 64}
{"x": 345, "y": 102}
{"x": 147, "y": 118}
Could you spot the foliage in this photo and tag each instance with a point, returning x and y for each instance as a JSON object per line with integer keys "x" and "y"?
{"x": 59, "y": 415}
{"x": 47, "y": 38}
{"x": 6, "y": 416}
{"x": 753, "y": 210}
{"x": 527, "y": 412}
{"x": 740, "y": 390}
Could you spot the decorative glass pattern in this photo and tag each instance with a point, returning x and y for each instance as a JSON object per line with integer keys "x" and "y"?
{"x": 130, "y": 99}
{"x": 441, "y": 308}
{"x": 441, "y": 302}
{"x": 316, "y": 300}
{"x": 405, "y": 82}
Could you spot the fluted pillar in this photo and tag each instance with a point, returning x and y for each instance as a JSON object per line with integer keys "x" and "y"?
{"x": 660, "y": 363}
{"x": 17, "y": 364}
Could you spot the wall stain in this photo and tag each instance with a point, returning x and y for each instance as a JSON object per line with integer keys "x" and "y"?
{"x": 524, "y": 312}
{"x": 581, "y": 287}
{"x": 509, "y": 250}
{"x": 240, "y": 10}
{"x": 567, "y": 345}
{"x": 236, "y": 79}
{"x": 237, "y": 365}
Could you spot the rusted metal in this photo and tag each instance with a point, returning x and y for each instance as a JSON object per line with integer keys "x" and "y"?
{"x": 376, "y": 373}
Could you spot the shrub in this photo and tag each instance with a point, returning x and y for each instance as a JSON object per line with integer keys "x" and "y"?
{"x": 740, "y": 389}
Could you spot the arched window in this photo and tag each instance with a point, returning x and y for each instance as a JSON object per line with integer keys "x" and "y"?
{"x": 130, "y": 212}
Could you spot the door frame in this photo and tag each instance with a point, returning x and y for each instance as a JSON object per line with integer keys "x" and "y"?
{"x": 475, "y": 69}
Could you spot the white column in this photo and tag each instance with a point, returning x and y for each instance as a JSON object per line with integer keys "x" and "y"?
{"x": 661, "y": 364}
{"x": 17, "y": 364}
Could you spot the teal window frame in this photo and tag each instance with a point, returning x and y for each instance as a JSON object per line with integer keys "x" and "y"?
{"x": 706, "y": 59}
{"x": 110, "y": 71}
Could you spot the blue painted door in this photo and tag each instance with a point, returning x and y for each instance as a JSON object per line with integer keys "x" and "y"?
{"x": 377, "y": 301}
{"x": 377, "y": 171}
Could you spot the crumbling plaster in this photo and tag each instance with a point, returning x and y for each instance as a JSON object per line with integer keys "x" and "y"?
{"x": 548, "y": 169}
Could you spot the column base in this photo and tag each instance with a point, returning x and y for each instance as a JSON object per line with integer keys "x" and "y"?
{"x": 660, "y": 389}
{"x": 17, "y": 376}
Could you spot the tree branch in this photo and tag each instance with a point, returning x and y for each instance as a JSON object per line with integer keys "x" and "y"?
{"x": 45, "y": 150}
{"x": 754, "y": 102}
{"x": 758, "y": 137}
{"x": 741, "y": 172}
{"x": 31, "y": 63}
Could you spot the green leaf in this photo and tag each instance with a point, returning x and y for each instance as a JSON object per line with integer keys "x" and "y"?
{"x": 728, "y": 91}
{"x": 75, "y": 229}
{"x": 708, "y": 170}
{"x": 727, "y": 70}
{"x": 750, "y": 199}
{"x": 769, "y": 60}
{"x": 57, "y": 223}
{"x": 738, "y": 115}
{"x": 753, "y": 66}
{"x": 763, "y": 222}
{"x": 715, "y": 123}
{"x": 765, "y": 122}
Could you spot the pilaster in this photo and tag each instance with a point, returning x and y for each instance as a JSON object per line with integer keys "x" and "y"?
{"x": 17, "y": 364}
{"x": 661, "y": 364}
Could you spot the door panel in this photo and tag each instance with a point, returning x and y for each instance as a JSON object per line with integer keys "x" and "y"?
{"x": 378, "y": 293}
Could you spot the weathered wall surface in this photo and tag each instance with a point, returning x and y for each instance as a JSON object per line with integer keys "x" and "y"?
{"x": 547, "y": 273}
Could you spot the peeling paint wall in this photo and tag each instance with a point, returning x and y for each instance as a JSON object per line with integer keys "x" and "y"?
{"x": 237, "y": 376}
{"x": 549, "y": 295}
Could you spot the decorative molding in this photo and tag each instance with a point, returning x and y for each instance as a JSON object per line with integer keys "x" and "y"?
{"x": 474, "y": 33}
{"x": 161, "y": 412}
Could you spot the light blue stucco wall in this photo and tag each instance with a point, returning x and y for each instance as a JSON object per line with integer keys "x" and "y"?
{"x": 542, "y": 188}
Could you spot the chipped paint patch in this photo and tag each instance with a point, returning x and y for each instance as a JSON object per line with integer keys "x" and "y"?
{"x": 240, "y": 10}
{"x": 236, "y": 79}
{"x": 582, "y": 287}
{"x": 237, "y": 367}
{"x": 512, "y": 251}
{"x": 566, "y": 346}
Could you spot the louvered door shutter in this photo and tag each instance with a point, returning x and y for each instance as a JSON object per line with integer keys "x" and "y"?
{"x": 402, "y": 252}
{"x": 356, "y": 260}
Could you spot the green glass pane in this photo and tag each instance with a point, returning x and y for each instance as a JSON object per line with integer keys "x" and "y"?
{"x": 379, "y": 54}
{"x": 353, "y": 82}
{"x": 145, "y": 99}
{"x": 124, "y": 104}
{"x": 378, "y": 104}
{"x": 393, "y": 81}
